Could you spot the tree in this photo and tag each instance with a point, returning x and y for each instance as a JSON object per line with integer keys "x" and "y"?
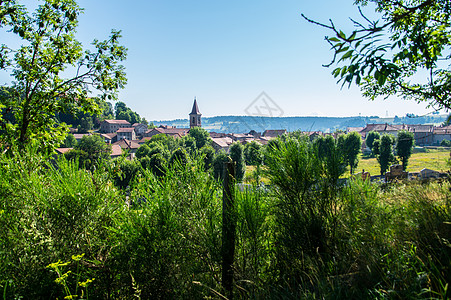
{"x": 86, "y": 124}
{"x": 405, "y": 52}
{"x": 42, "y": 86}
{"x": 404, "y": 146}
{"x": 253, "y": 153}
{"x": 218, "y": 164}
{"x": 124, "y": 172}
{"x": 125, "y": 113}
{"x": 237, "y": 156}
{"x": 208, "y": 153}
{"x": 386, "y": 156}
{"x": 371, "y": 137}
{"x": 352, "y": 145}
{"x": 201, "y": 136}
{"x": 95, "y": 148}
{"x": 376, "y": 146}
{"x": 70, "y": 141}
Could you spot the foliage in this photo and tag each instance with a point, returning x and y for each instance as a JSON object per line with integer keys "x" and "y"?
{"x": 351, "y": 149}
{"x": 404, "y": 146}
{"x": 125, "y": 113}
{"x": 201, "y": 136}
{"x": 385, "y": 155}
{"x": 445, "y": 143}
{"x": 405, "y": 52}
{"x": 90, "y": 151}
{"x": 303, "y": 237}
{"x": 124, "y": 172}
{"x": 253, "y": 154}
{"x": 236, "y": 152}
{"x": 70, "y": 141}
{"x": 371, "y": 137}
{"x": 42, "y": 87}
{"x": 179, "y": 156}
{"x": 304, "y": 204}
{"x": 218, "y": 164}
{"x": 208, "y": 152}
{"x": 86, "y": 125}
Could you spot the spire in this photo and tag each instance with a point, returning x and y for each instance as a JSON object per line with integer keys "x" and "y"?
{"x": 195, "y": 110}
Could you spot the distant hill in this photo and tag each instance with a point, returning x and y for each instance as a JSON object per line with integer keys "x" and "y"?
{"x": 243, "y": 124}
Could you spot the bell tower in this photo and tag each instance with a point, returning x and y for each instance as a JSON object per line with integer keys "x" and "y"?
{"x": 195, "y": 116}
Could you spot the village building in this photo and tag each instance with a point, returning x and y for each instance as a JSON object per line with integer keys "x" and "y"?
{"x": 169, "y": 130}
{"x": 423, "y": 134}
{"x": 116, "y": 151}
{"x": 222, "y": 143}
{"x": 140, "y": 129}
{"x": 440, "y": 134}
{"x": 129, "y": 146}
{"x": 109, "y": 138}
{"x": 110, "y": 126}
{"x": 126, "y": 133}
{"x": 274, "y": 132}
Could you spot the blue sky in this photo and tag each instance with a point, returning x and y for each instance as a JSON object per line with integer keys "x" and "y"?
{"x": 226, "y": 53}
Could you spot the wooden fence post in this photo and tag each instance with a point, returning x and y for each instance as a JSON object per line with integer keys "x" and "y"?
{"x": 228, "y": 228}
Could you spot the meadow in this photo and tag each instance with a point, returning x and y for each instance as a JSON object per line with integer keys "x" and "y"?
{"x": 435, "y": 159}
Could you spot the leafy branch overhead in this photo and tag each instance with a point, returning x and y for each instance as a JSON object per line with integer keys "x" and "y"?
{"x": 405, "y": 53}
{"x": 52, "y": 71}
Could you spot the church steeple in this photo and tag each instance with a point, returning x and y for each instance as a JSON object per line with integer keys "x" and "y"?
{"x": 195, "y": 116}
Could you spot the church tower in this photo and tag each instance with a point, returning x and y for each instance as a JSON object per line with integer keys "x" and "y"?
{"x": 194, "y": 116}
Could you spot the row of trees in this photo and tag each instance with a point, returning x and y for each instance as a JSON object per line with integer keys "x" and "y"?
{"x": 386, "y": 147}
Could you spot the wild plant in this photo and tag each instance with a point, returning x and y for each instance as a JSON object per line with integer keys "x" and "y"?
{"x": 80, "y": 291}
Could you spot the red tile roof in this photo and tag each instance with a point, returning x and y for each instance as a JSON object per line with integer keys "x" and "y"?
{"x": 126, "y": 144}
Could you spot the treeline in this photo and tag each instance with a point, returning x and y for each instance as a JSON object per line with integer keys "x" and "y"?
{"x": 85, "y": 122}
{"x": 84, "y": 233}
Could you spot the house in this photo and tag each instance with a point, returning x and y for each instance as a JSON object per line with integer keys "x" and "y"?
{"x": 240, "y": 137}
{"x": 274, "y": 133}
{"x": 174, "y": 132}
{"x": 383, "y": 129}
{"x": 109, "y": 126}
{"x": 140, "y": 129}
{"x": 217, "y": 134}
{"x": 440, "y": 134}
{"x": 126, "y": 133}
{"x": 116, "y": 151}
{"x": 423, "y": 134}
{"x": 109, "y": 137}
{"x": 129, "y": 146}
{"x": 222, "y": 143}
{"x": 352, "y": 129}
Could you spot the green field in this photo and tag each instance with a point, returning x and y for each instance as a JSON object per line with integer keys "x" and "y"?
{"x": 436, "y": 159}
{"x": 433, "y": 159}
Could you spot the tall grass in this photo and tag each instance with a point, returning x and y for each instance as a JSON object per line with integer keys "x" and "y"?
{"x": 303, "y": 237}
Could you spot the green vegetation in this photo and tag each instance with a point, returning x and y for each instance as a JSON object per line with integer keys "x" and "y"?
{"x": 52, "y": 73}
{"x": 403, "y": 52}
{"x": 432, "y": 159}
{"x": 68, "y": 231}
